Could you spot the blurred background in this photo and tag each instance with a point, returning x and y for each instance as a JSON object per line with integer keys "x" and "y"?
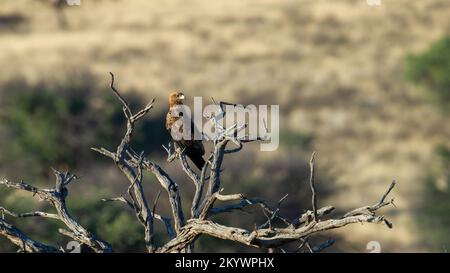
{"x": 367, "y": 87}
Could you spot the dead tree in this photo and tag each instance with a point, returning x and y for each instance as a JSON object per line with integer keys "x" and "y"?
{"x": 56, "y": 196}
{"x": 272, "y": 235}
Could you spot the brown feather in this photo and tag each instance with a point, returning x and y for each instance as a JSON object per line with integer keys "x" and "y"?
{"x": 194, "y": 149}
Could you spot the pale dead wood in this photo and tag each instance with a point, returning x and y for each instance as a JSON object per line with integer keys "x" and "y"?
{"x": 133, "y": 170}
{"x": 25, "y": 243}
{"x": 56, "y": 196}
{"x": 313, "y": 187}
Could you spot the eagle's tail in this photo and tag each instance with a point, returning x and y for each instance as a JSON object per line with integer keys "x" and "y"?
{"x": 197, "y": 159}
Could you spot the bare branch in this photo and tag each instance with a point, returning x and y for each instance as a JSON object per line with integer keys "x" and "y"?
{"x": 196, "y": 201}
{"x": 381, "y": 202}
{"x": 156, "y": 202}
{"x": 237, "y": 206}
{"x": 274, "y": 213}
{"x": 126, "y": 107}
{"x": 172, "y": 190}
{"x": 308, "y": 216}
{"x": 187, "y": 169}
{"x": 313, "y": 187}
{"x": 373, "y": 208}
{"x": 166, "y": 221}
{"x": 119, "y": 199}
{"x": 144, "y": 111}
{"x": 266, "y": 238}
{"x": 323, "y": 246}
{"x": 132, "y": 165}
{"x": 30, "y": 214}
{"x": 171, "y": 153}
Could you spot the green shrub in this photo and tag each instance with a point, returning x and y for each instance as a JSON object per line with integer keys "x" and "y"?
{"x": 292, "y": 139}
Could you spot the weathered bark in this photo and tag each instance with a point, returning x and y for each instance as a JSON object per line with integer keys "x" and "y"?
{"x": 185, "y": 232}
{"x": 56, "y": 196}
{"x": 24, "y": 242}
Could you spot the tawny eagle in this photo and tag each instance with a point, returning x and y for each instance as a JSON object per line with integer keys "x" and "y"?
{"x": 194, "y": 149}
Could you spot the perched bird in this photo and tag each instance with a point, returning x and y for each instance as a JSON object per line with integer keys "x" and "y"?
{"x": 194, "y": 149}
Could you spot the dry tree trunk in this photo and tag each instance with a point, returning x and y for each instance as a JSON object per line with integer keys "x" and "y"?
{"x": 183, "y": 233}
{"x": 59, "y": 7}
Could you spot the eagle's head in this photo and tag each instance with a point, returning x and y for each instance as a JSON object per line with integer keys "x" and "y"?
{"x": 176, "y": 98}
